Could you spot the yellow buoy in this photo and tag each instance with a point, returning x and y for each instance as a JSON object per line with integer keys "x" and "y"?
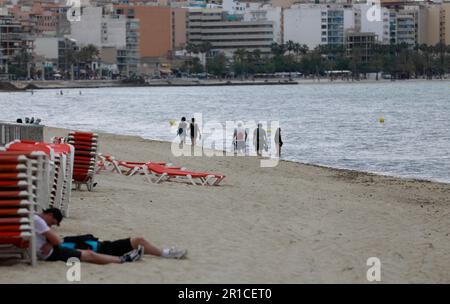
{"x": 381, "y": 120}
{"x": 172, "y": 122}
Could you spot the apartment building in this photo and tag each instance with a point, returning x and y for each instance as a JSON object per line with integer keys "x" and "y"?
{"x": 13, "y": 40}
{"x": 315, "y": 24}
{"x": 404, "y": 25}
{"x": 37, "y": 16}
{"x": 373, "y": 18}
{"x": 360, "y": 44}
{"x": 228, "y": 33}
{"x": 162, "y": 30}
{"x": 257, "y": 11}
{"x": 434, "y": 20}
{"x": 99, "y": 29}
{"x": 128, "y": 59}
{"x": 110, "y": 32}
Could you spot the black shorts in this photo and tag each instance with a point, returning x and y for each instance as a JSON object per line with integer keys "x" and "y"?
{"x": 115, "y": 248}
{"x": 63, "y": 254}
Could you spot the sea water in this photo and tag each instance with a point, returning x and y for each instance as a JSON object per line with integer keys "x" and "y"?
{"x": 338, "y": 124}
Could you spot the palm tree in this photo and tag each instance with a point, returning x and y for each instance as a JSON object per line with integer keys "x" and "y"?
{"x": 290, "y": 45}
{"x": 71, "y": 58}
{"x": 256, "y": 55}
{"x": 377, "y": 59}
{"x": 205, "y": 47}
{"x": 192, "y": 48}
{"x": 87, "y": 55}
{"x": 240, "y": 56}
{"x": 21, "y": 62}
{"x": 274, "y": 48}
{"x": 297, "y": 48}
{"x": 277, "y": 49}
{"x": 440, "y": 50}
{"x": 425, "y": 52}
{"x": 304, "y": 49}
{"x": 218, "y": 64}
{"x": 355, "y": 62}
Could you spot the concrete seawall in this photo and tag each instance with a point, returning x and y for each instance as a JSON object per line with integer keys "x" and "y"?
{"x": 12, "y": 131}
{"x": 41, "y": 85}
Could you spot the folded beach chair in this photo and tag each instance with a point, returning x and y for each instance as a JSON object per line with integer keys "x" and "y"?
{"x": 162, "y": 173}
{"x": 107, "y": 162}
{"x": 85, "y": 160}
{"x": 132, "y": 168}
{"x": 17, "y": 203}
{"x": 125, "y": 167}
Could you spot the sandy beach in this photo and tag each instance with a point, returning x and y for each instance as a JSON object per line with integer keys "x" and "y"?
{"x": 293, "y": 223}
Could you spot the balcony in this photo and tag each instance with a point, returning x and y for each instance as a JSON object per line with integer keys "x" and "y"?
{"x": 238, "y": 44}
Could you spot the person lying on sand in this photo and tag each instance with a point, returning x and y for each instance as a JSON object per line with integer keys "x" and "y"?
{"x": 119, "y": 247}
{"x": 49, "y": 249}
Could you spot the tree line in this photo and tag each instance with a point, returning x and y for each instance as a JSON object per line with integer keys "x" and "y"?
{"x": 73, "y": 61}
{"x": 400, "y": 61}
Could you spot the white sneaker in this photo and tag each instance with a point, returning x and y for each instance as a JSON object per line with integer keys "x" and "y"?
{"x": 133, "y": 256}
{"x": 175, "y": 253}
{"x": 141, "y": 251}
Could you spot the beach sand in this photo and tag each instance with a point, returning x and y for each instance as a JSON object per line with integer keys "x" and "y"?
{"x": 293, "y": 223}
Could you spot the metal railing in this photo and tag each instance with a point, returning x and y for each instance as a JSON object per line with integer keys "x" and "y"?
{"x": 12, "y": 131}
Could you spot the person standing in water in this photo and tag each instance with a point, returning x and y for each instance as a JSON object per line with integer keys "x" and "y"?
{"x": 182, "y": 131}
{"x": 240, "y": 139}
{"x": 194, "y": 133}
{"x": 259, "y": 139}
{"x": 278, "y": 142}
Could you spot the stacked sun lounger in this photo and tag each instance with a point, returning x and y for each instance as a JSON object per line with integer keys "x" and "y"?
{"x": 57, "y": 182}
{"x": 42, "y": 155}
{"x": 62, "y": 184}
{"x": 19, "y": 179}
{"x": 85, "y": 160}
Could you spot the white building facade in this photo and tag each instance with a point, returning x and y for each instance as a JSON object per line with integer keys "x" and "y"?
{"x": 267, "y": 13}
{"x": 255, "y": 11}
{"x": 98, "y": 29}
{"x": 303, "y": 24}
{"x": 316, "y": 24}
{"x": 373, "y": 18}
{"x": 46, "y": 47}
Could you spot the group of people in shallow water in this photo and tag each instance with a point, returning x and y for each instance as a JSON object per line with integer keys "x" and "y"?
{"x": 192, "y": 129}
{"x": 240, "y": 137}
{"x": 62, "y": 93}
